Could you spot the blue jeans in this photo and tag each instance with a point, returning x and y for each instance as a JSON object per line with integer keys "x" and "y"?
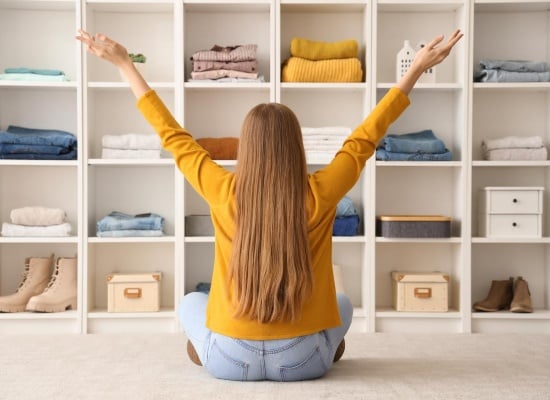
{"x": 295, "y": 359}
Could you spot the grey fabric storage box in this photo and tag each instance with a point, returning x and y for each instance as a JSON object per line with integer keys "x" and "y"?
{"x": 413, "y": 226}
{"x": 199, "y": 225}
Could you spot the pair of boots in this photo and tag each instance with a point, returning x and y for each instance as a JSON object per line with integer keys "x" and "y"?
{"x": 44, "y": 288}
{"x": 507, "y": 295}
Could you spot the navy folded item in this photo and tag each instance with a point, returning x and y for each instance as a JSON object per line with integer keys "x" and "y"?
{"x": 10, "y": 148}
{"x": 20, "y": 135}
{"x": 384, "y": 155}
{"x": 71, "y": 155}
{"x": 345, "y": 226}
{"x": 423, "y": 141}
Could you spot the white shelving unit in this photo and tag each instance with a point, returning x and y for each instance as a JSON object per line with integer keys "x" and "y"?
{"x": 96, "y": 102}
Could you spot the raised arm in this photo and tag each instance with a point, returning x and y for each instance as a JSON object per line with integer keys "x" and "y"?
{"x": 109, "y": 50}
{"x": 431, "y": 54}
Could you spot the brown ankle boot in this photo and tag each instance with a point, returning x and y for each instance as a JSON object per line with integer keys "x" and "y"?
{"x": 340, "y": 351}
{"x": 499, "y": 297}
{"x": 521, "y": 303}
{"x": 192, "y": 353}
{"x": 36, "y": 275}
{"x": 61, "y": 292}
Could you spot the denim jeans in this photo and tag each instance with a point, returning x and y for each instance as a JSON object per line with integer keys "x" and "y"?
{"x": 295, "y": 359}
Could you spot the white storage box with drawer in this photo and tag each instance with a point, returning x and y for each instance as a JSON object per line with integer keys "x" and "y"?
{"x": 420, "y": 291}
{"x": 511, "y": 211}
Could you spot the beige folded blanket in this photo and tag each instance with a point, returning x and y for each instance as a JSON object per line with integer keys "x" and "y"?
{"x": 316, "y": 50}
{"x": 37, "y": 216}
{"x": 298, "y": 69}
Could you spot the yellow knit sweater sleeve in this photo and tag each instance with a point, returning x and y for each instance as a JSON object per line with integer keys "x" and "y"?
{"x": 337, "y": 178}
{"x": 210, "y": 180}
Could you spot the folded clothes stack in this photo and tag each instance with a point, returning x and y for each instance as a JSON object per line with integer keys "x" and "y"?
{"x": 346, "y": 222}
{"x": 514, "y": 148}
{"x": 118, "y": 224}
{"x": 131, "y": 145}
{"x": 511, "y": 71}
{"x": 36, "y": 221}
{"x": 226, "y": 64}
{"x": 417, "y": 146}
{"x": 321, "y": 144}
{"x": 220, "y": 148}
{"x": 33, "y": 75}
{"x": 37, "y": 144}
{"x": 315, "y": 61}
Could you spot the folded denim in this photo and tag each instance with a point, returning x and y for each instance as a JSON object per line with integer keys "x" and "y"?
{"x": 345, "y": 208}
{"x": 131, "y": 233}
{"x": 515, "y": 65}
{"x": 496, "y": 75}
{"x": 117, "y": 221}
{"x": 71, "y": 155}
{"x": 384, "y": 155}
{"x": 37, "y": 71}
{"x": 20, "y": 135}
{"x": 423, "y": 141}
{"x": 345, "y": 226}
{"x": 11, "y": 148}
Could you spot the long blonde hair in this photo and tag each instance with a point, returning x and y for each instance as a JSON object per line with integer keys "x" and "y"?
{"x": 270, "y": 266}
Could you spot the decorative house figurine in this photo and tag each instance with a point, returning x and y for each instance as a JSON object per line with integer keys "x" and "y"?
{"x": 405, "y": 57}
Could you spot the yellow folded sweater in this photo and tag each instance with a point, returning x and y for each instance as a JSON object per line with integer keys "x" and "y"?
{"x": 315, "y": 50}
{"x": 298, "y": 69}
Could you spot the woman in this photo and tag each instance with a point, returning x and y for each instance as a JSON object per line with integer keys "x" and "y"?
{"x": 272, "y": 312}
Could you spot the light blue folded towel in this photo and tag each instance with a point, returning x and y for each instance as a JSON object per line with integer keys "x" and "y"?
{"x": 36, "y": 71}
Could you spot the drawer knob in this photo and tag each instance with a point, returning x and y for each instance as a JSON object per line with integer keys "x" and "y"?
{"x": 514, "y": 224}
{"x": 514, "y": 200}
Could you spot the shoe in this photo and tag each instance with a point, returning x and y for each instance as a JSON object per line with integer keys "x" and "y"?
{"x": 61, "y": 292}
{"x": 36, "y": 275}
{"x": 192, "y": 353}
{"x": 339, "y": 351}
{"x": 499, "y": 297}
{"x": 521, "y": 302}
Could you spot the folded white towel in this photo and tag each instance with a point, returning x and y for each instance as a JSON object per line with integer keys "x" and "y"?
{"x": 120, "y": 153}
{"x": 539, "y": 154}
{"x": 327, "y": 130}
{"x": 319, "y": 157}
{"x": 37, "y": 216}
{"x": 9, "y": 230}
{"x": 517, "y": 142}
{"x": 132, "y": 141}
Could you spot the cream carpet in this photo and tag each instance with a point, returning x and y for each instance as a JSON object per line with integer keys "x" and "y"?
{"x": 375, "y": 366}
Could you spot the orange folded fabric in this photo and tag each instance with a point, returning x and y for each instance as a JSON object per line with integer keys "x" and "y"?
{"x": 220, "y": 148}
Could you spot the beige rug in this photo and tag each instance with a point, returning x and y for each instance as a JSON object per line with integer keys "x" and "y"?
{"x": 375, "y": 366}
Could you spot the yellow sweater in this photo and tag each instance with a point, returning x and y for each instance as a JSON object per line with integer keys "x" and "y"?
{"x": 326, "y": 187}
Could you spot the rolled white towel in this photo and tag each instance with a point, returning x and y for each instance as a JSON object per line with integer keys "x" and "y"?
{"x": 13, "y": 230}
{"x": 132, "y": 141}
{"x": 517, "y": 142}
{"x": 37, "y": 216}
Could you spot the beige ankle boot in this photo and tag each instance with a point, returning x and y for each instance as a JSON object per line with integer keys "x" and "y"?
{"x": 60, "y": 294}
{"x": 499, "y": 297}
{"x": 35, "y": 278}
{"x": 521, "y": 303}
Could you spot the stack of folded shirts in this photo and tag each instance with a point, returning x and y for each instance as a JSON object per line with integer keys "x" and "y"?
{"x": 131, "y": 145}
{"x": 511, "y": 71}
{"x": 223, "y": 64}
{"x": 36, "y": 221}
{"x": 514, "y": 148}
{"x": 314, "y": 61}
{"x": 118, "y": 224}
{"x": 37, "y": 144}
{"x": 33, "y": 75}
{"x": 346, "y": 222}
{"x": 416, "y": 146}
{"x": 321, "y": 144}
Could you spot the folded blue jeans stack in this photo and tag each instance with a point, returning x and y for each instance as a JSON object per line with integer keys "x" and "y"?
{"x": 416, "y": 146}
{"x": 19, "y": 143}
{"x": 118, "y": 224}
